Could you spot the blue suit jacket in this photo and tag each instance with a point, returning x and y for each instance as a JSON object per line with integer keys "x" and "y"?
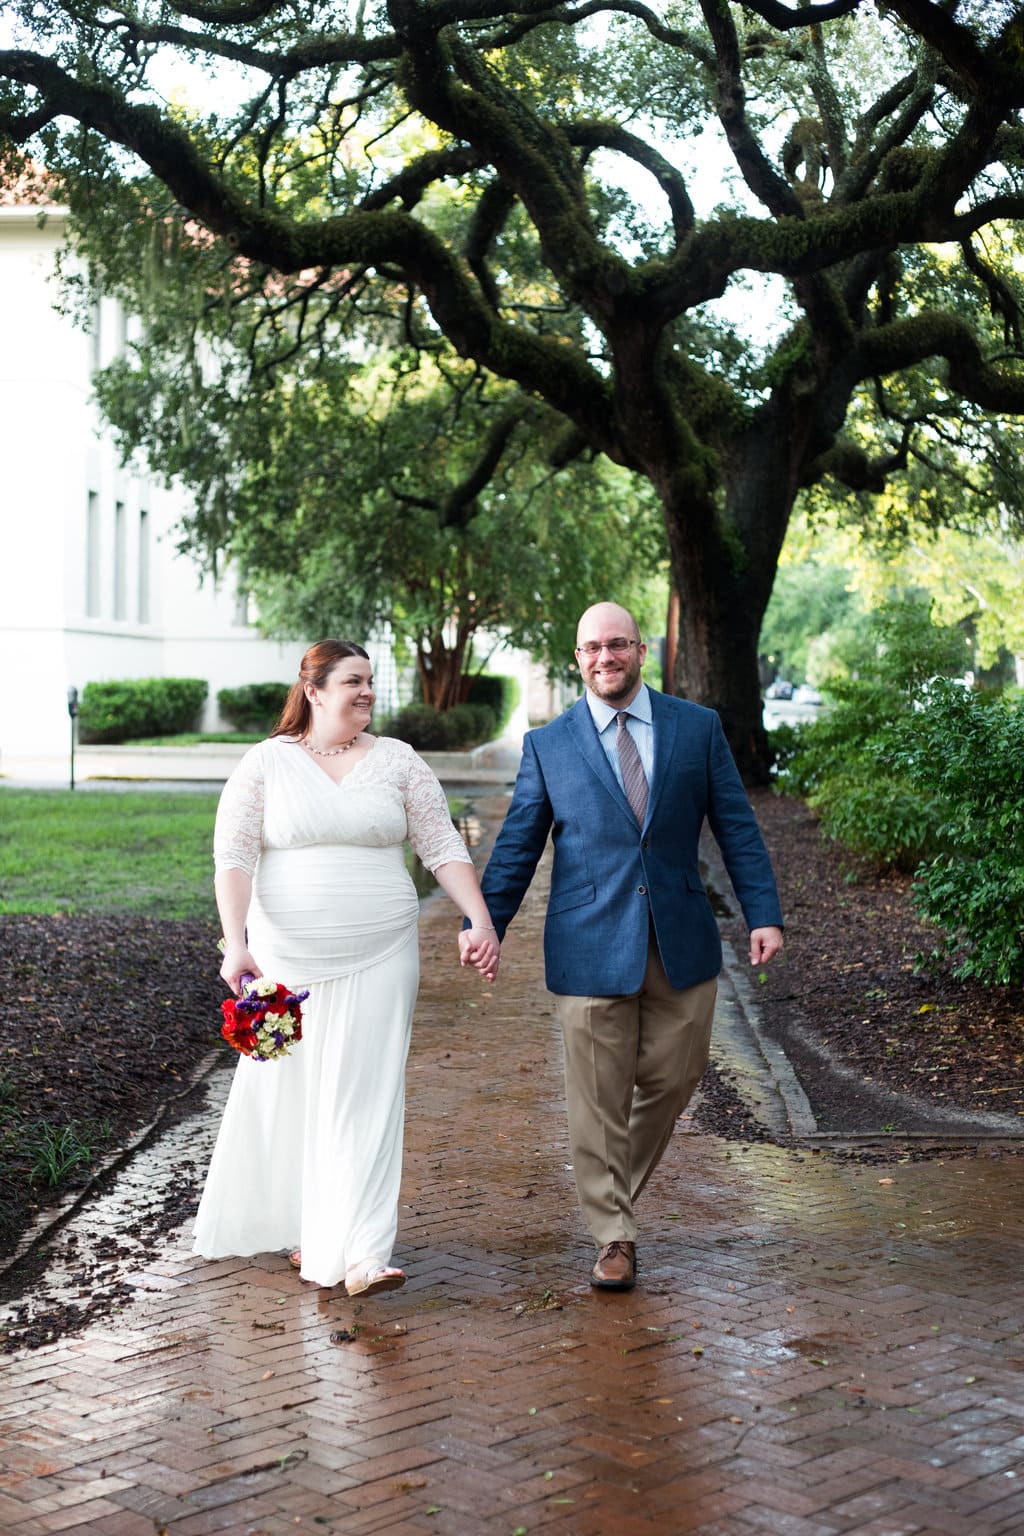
{"x": 610, "y": 877}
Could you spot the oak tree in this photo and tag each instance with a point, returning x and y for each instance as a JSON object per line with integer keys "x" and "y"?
{"x": 622, "y": 175}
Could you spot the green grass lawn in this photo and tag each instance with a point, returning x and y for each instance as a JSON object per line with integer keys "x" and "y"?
{"x": 107, "y": 851}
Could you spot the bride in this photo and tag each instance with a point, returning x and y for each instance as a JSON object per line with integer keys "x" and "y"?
{"x": 313, "y": 891}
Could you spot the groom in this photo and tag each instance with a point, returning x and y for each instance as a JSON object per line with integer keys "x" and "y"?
{"x": 624, "y": 781}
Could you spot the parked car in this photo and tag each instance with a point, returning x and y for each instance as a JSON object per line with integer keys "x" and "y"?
{"x": 805, "y": 694}
{"x": 779, "y": 689}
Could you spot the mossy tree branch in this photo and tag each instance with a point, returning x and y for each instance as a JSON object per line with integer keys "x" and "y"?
{"x": 892, "y": 348}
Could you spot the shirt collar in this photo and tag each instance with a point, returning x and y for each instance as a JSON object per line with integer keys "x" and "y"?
{"x": 604, "y": 713}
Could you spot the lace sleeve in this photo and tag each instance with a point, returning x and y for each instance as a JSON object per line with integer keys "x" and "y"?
{"x": 238, "y": 831}
{"x": 431, "y": 830}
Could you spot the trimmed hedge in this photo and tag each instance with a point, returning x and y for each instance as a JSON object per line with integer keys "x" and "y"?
{"x": 499, "y": 693}
{"x": 253, "y": 706}
{"x": 140, "y": 706}
{"x": 426, "y": 729}
{"x": 423, "y": 727}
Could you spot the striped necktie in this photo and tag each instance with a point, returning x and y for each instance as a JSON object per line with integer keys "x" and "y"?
{"x": 634, "y": 780}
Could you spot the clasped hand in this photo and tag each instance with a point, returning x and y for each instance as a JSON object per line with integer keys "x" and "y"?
{"x": 479, "y": 947}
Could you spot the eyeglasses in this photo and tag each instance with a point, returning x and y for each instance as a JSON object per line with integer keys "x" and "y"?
{"x": 618, "y": 647}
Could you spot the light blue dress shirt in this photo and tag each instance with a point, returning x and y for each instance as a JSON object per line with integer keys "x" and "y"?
{"x": 640, "y": 726}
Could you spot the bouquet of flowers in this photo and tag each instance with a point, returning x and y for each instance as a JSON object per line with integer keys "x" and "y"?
{"x": 266, "y": 1021}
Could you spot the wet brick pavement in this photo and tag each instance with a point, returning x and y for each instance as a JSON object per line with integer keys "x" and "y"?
{"x": 816, "y": 1346}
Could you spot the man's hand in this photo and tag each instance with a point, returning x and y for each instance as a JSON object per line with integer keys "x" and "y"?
{"x": 764, "y": 943}
{"x": 480, "y": 948}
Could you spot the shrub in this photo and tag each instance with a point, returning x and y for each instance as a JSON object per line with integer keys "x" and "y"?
{"x": 423, "y": 727}
{"x": 140, "y": 706}
{"x": 472, "y": 724}
{"x": 253, "y": 706}
{"x": 428, "y": 730}
{"x": 499, "y": 693}
{"x": 967, "y": 748}
{"x": 881, "y": 818}
{"x": 844, "y": 762}
{"x": 788, "y": 748}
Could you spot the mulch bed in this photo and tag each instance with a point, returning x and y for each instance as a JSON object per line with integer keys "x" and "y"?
{"x": 105, "y": 1020}
{"x": 849, "y": 977}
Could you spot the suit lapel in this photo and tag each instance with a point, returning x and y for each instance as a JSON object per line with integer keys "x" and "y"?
{"x": 665, "y": 721}
{"x": 589, "y": 743}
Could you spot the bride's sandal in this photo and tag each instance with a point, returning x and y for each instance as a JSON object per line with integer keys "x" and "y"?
{"x": 295, "y": 1259}
{"x": 371, "y": 1278}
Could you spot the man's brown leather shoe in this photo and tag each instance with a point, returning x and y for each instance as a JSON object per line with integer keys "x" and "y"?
{"x": 615, "y": 1269}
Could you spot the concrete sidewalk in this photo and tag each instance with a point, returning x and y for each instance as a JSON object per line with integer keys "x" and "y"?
{"x": 815, "y": 1346}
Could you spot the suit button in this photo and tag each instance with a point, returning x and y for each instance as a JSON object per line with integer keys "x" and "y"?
{"x": 646, "y": 843}
{"x": 641, "y": 890}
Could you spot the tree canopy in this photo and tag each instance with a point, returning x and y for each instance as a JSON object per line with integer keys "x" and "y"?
{"x": 702, "y": 235}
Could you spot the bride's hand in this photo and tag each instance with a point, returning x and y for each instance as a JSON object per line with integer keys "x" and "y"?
{"x": 238, "y": 962}
{"x": 480, "y": 948}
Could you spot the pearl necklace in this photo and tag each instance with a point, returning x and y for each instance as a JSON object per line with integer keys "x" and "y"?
{"x": 332, "y": 751}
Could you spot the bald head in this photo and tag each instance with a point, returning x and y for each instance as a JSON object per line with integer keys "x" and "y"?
{"x": 609, "y": 618}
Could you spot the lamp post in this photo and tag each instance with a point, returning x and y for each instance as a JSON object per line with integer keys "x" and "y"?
{"x": 73, "y": 713}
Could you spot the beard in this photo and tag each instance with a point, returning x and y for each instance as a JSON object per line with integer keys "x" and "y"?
{"x": 614, "y": 687}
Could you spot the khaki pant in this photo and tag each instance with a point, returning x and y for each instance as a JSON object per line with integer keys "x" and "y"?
{"x": 631, "y": 1066}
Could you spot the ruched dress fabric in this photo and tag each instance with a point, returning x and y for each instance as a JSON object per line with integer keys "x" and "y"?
{"x": 309, "y": 1152}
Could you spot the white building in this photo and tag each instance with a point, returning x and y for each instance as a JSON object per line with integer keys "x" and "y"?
{"x": 92, "y": 585}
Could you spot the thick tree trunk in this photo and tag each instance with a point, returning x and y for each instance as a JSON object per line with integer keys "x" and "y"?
{"x": 723, "y": 565}
{"x": 718, "y": 646}
{"x": 441, "y": 670}
{"x": 668, "y": 668}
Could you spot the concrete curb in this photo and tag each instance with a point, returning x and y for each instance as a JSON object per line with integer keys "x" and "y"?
{"x": 776, "y": 1075}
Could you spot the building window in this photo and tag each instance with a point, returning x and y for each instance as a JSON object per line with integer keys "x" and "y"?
{"x": 92, "y": 556}
{"x": 144, "y": 557}
{"x": 120, "y": 562}
{"x": 95, "y": 334}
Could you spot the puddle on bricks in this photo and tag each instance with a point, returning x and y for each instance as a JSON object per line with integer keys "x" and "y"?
{"x": 123, "y": 1230}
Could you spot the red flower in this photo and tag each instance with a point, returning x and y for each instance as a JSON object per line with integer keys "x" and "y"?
{"x": 249, "y": 1026}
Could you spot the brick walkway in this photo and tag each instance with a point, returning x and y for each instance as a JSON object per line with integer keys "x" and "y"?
{"x": 815, "y": 1346}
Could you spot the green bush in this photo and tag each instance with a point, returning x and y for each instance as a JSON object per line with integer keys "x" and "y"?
{"x": 967, "y": 748}
{"x": 140, "y": 706}
{"x": 428, "y": 730}
{"x": 253, "y": 706}
{"x": 423, "y": 727}
{"x": 788, "y": 746}
{"x": 472, "y": 724}
{"x": 499, "y": 693}
{"x": 880, "y": 817}
{"x": 843, "y": 762}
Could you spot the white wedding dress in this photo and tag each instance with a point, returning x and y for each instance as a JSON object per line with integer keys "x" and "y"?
{"x": 309, "y": 1152}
